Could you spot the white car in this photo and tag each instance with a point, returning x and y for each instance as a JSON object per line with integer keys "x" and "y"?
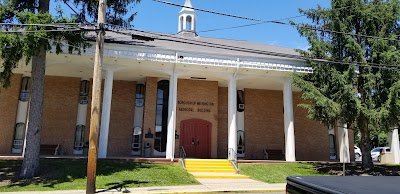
{"x": 357, "y": 154}
{"x": 376, "y": 153}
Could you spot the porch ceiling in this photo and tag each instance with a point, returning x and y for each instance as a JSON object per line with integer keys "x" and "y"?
{"x": 135, "y": 70}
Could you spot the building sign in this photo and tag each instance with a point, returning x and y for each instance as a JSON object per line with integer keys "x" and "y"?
{"x": 195, "y": 106}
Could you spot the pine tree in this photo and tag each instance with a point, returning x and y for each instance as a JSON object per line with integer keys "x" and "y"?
{"x": 32, "y": 47}
{"x": 353, "y": 92}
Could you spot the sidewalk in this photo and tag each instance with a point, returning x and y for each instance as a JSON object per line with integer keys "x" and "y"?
{"x": 207, "y": 186}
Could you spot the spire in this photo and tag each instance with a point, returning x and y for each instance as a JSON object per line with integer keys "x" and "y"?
{"x": 187, "y": 20}
{"x": 188, "y": 3}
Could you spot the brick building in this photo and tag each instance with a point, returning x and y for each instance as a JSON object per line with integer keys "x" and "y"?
{"x": 216, "y": 98}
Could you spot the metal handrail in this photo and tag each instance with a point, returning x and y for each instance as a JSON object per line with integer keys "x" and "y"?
{"x": 182, "y": 155}
{"x": 232, "y": 157}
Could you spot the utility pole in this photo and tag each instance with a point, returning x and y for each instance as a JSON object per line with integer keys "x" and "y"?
{"x": 95, "y": 110}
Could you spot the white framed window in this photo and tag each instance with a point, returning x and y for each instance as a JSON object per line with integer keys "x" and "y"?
{"x": 84, "y": 92}
{"x": 19, "y": 136}
{"x": 240, "y": 142}
{"x": 160, "y": 138}
{"x": 79, "y": 137}
{"x": 25, "y": 86}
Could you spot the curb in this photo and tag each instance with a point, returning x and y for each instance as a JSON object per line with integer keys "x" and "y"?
{"x": 227, "y": 191}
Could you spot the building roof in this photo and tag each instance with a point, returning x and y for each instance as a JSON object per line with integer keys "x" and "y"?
{"x": 199, "y": 45}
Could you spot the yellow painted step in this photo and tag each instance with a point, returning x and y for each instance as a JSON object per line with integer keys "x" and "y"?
{"x": 219, "y": 175}
{"x": 211, "y": 170}
{"x": 208, "y": 167}
{"x": 207, "y": 161}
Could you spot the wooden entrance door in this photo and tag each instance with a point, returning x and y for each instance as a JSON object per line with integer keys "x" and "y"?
{"x": 195, "y": 138}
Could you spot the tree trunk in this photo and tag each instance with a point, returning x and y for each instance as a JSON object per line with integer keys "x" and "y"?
{"x": 365, "y": 144}
{"x": 30, "y": 165}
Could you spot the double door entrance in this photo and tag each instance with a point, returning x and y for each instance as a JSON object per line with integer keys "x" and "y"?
{"x": 196, "y": 138}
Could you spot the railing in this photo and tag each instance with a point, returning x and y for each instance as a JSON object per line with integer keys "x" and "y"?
{"x": 182, "y": 155}
{"x": 232, "y": 157}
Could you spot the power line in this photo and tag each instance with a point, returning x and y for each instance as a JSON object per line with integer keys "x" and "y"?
{"x": 254, "y": 51}
{"x": 264, "y": 22}
{"x": 38, "y": 31}
{"x": 281, "y": 23}
{"x": 247, "y": 25}
{"x": 42, "y": 25}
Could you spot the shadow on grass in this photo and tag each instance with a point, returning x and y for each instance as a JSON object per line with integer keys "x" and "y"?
{"x": 355, "y": 169}
{"x": 57, "y": 171}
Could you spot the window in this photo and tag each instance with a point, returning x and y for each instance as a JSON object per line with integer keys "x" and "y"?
{"x": 139, "y": 95}
{"x": 138, "y": 120}
{"x": 332, "y": 147}
{"x": 79, "y": 137}
{"x": 189, "y": 23}
{"x": 376, "y": 150}
{"x": 160, "y": 139}
{"x": 19, "y": 136}
{"x": 181, "y": 23}
{"x": 240, "y": 142}
{"x": 25, "y": 85}
{"x": 84, "y": 92}
{"x": 137, "y": 139}
{"x": 240, "y": 101}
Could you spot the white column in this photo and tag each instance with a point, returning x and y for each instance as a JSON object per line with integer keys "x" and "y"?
{"x": 344, "y": 149}
{"x": 173, "y": 86}
{"x": 288, "y": 120}
{"x": 193, "y": 26}
{"x": 105, "y": 114}
{"x": 394, "y": 145}
{"x": 232, "y": 128}
{"x": 184, "y": 22}
{"x": 180, "y": 23}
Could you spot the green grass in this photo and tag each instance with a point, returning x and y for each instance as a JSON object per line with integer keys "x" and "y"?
{"x": 277, "y": 173}
{"x": 68, "y": 174}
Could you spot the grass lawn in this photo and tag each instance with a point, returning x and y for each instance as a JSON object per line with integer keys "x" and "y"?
{"x": 277, "y": 173}
{"x": 68, "y": 174}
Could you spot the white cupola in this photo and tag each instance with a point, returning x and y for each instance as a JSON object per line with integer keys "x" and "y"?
{"x": 187, "y": 20}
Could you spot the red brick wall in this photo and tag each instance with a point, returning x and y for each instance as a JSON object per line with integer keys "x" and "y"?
{"x": 222, "y": 122}
{"x": 149, "y": 119}
{"x": 199, "y": 91}
{"x": 312, "y": 138}
{"x": 264, "y": 127}
{"x": 59, "y": 111}
{"x": 8, "y": 112}
{"x": 121, "y": 118}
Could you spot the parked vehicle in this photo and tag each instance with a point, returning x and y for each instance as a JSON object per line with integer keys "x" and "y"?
{"x": 357, "y": 154}
{"x": 376, "y": 153}
{"x": 342, "y": 184}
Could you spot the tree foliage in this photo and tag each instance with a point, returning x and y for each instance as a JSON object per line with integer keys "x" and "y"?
{"x": 116, "y": 12}
{"x": 361, "y": 95}
{"x": 33, "y": 46}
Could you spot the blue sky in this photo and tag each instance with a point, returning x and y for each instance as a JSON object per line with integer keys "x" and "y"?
{"x": 157, "y": 17}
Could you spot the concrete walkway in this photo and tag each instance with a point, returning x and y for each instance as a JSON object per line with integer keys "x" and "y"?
{"x": 207, "y": 186}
